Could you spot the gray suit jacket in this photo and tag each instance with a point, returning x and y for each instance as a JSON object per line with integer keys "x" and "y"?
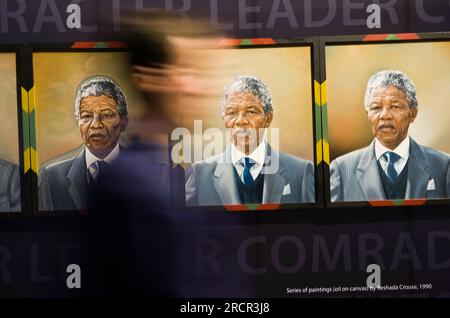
{"x": 212, "y": 181}
{"x": 354, "y": 176}
{"x": 64, "y": 185}
{"x": 9, "y": 187}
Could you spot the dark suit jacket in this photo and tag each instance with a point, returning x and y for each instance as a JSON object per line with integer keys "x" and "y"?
{"x": 212, "y": 181}
{"x": 354, "y": 176}
{"x": 9, "y": 187}
{"x": 64, "y": 185}
{"x": 154, "y": 246}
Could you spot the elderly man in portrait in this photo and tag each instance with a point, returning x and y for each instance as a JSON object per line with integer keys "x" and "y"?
{"x": 249, "y": 171}
{"x": 393, "y": 166}
{"x": 9, "y": 187}
{"x": 101, "y": 112}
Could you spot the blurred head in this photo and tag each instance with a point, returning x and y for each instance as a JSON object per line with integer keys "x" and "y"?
{"x": 169, "y": 65}
{"x": 101, "y": 112}
{"x": 391, "y": 106}
{"x": 246, "y": 108}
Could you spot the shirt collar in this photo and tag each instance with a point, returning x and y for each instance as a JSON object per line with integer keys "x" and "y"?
{"x": 402, "y": 150}
{"x": 258, "y": 155}
{"x": 91, "y": 158}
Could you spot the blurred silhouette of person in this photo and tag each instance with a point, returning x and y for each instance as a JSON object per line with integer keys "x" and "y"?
{"x": 250, "y": 171}
{"x": 141, "y": 242}
{"x": 101, "y": 111}
{"x": 9, "y": 187}
{"x": 394, "y": 165}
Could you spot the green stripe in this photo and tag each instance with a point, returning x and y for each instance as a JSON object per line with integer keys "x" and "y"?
{"x": 26, "y": 130}
{"x": 246, "y": 42}
{"x": 391, "y": 37}
{"x": 32, "y": 118}
{"x": 252, "y": 207}
{"x": 318, "y": 119}
{"x": 325, "y": 122}
{"x": 101, "y": 45}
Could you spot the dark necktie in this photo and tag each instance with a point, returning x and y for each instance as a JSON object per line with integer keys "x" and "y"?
{"x": 100, "y": 166}
{"x": 247, "y": 164}
{"x": 391, "y": 158}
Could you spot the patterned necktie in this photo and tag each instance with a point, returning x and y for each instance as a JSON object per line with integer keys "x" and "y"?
{"x": 97, "y": 168}
{"x": 391, "y": 158}
{"x": 247, "y": 164}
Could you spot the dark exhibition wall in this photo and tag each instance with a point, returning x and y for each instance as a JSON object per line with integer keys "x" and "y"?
{"x": 93, "y": 20}
{"x": 316, "y": 57}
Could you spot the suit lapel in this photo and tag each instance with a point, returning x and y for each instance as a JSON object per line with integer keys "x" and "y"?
{"x": 4, "y": 206}
{"x": 224, "y": 180}
{"x": 273, "y": 182}
{"x": 418, "y": 176}
{"x": 368, "y": 176}
{"x": 78, "y": 185}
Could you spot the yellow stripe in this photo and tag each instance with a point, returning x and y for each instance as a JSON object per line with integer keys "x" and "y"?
{"x": 31, "y": 99}
{"x": 24, "y": 99}
{"x": 26, "y": 160}
{"x": 323, "y": 93}
{"x": 326, "y": 152}
{"x": 34, "y": 160}
{"x": 319, "y": 152}
{"x": 317, "y": 93}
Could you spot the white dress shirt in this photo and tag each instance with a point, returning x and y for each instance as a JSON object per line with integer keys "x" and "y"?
{"x": 258, "y": 156}
{"x": 402, "y": 150}
{"x": 91, "y": 158}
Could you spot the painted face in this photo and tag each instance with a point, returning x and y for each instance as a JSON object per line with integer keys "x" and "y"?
{"x": 100, "y": 124}
{"x": 390, "y": 115}
{"x": 245, "y": 116}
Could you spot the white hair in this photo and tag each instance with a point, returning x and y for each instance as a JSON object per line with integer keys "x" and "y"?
{"x": 394, "y": 78}
{"x": 248, "y": 84}
{"x": 101, "y": 85}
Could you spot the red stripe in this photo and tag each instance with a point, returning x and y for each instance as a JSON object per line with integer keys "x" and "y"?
{"x": 382, "y": 203}
{"x": 375, "y": 37}
{"x": 391, "y": 203}
{"x": 264, "y": 207}
{"x": 407, "y": 36}
{"x": 235, "y": 207}
{"x": 263, "y": 41}
{"x": 83, "y": 45}
{"x": 243, "y": 207}
{"x": 415, "y": 202}
{"x": 256, "y": 41}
